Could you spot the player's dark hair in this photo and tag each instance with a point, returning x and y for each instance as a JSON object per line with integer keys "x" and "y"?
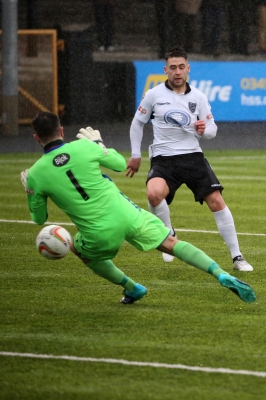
{"x": 176, "y": 52}
{"x": 46, "y": 125}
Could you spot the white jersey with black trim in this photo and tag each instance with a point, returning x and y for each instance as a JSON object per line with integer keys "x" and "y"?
{"x": 173, "y": 116}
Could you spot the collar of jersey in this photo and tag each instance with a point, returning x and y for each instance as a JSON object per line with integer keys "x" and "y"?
{"x": 188, "y": 89}
{"x": 53, "y": 145}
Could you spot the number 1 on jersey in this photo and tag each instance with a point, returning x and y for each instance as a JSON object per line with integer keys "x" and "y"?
{"x": 77, "y": 185}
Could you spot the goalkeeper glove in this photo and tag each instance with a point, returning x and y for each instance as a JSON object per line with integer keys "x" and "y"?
{"x": 24, "y": 177}
{"x": 92, "y": 135}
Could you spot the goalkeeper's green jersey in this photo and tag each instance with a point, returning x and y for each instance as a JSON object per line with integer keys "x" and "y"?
{"x": 70, "y": 175}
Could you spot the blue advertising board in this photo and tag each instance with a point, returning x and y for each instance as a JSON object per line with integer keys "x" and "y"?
{"x": 236, "y": 90}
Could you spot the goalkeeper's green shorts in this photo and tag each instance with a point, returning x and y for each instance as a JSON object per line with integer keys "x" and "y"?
{"x": 141, "y": 229}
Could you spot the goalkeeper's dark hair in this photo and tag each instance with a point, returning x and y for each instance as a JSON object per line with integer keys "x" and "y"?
{"x": 46, "y": 125}
{"x": 176, "y": 51}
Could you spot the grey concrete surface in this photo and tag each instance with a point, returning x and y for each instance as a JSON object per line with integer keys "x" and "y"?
{"x": 234, "y": 136}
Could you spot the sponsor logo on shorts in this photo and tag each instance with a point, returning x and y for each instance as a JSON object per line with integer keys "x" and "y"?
{"x": 61, "y": 159}
{"x": 209, "y": 116}
{"x": 177, "y": 118}
{"x": 150, "y": 173}
{"x": 216, "y": 184}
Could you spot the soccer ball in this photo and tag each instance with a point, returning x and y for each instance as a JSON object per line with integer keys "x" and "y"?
{"x": 53, "y": 242}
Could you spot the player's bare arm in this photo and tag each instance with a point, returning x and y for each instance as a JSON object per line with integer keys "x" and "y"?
{"x": 133, "y": 166}
{"x": 200, "y": 126}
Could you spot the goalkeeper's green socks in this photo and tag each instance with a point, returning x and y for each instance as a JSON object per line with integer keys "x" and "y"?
{"x": 106, "y": 269}
{"x": 197, "y": 258}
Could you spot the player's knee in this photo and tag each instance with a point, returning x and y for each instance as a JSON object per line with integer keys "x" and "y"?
{"x": 155, "y": 197}
{"x": 215, "y": 201}
{"x": 168, "y": 244}
{"x": 74, "y": 250}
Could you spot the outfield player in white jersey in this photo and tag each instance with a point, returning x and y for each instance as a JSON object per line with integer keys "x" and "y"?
{"x": 181, "y": 116}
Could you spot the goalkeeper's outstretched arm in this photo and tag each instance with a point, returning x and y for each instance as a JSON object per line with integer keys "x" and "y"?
{"x": 110, "y": 158}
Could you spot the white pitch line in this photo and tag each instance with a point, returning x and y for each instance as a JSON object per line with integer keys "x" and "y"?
{"x": 17, "y": 221}
{"x": 202, "y": 231}
{"x": 138, "y": 363}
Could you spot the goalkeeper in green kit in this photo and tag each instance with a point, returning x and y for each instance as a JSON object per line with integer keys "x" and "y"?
{"x": 70, "y": 175}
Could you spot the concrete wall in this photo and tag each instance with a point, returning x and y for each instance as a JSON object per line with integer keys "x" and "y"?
{"x": 135, "y": 21}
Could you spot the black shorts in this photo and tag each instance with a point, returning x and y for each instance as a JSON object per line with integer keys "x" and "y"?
{"x": 192, "y": 169}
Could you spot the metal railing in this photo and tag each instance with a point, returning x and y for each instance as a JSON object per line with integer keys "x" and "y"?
{"x": 37, "y": 73}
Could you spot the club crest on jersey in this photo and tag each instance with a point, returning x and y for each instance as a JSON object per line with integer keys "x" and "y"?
{"x": 192, "y": 107}
{"x": 177, "y": 118}
{"x": 61, "y": 159}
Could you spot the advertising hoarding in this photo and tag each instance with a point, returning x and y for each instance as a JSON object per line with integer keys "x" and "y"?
{"x": 236, "y": 90}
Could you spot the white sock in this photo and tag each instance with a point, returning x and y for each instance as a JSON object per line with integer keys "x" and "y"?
{"x": 162, "y": 211}
{"x": 226, "y": 227}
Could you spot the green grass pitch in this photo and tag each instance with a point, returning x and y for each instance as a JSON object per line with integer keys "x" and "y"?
{"x": 60, "y": 308}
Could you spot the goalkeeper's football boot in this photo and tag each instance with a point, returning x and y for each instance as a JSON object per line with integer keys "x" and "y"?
{"x": 240, "y": 264}
{"x": 240, "y": 288}
{"x": 168, "y": 257}
{"x": 138, "y": 293}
